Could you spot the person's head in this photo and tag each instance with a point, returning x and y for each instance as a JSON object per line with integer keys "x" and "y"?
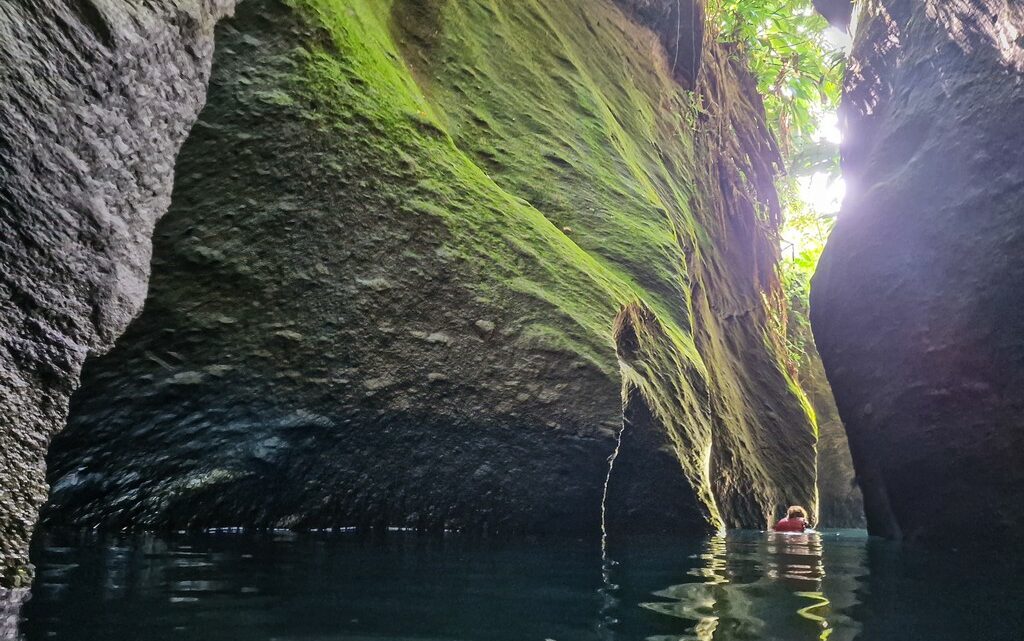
{"x": 796, "y": 512}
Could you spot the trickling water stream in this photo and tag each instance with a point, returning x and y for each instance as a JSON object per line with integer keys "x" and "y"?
{"x": 604, "y": 493}
{"x": 606, "y": 620}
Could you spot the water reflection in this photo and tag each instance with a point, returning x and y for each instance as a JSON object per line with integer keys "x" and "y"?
{"x": 765, "y": 586}
{"x": 744, "y": 586}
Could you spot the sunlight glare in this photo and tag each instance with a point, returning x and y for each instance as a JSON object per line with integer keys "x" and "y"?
{"x": 822, "y": 194}
{"x": 828, "y": 129}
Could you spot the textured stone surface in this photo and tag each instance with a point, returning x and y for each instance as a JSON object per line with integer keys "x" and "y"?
{"x": 916, "y": 305}
{"x": 386, "y": 288}
{"x": 95, "y": 98}
{"x": 680, "y": 28}
{"x": 839, "y": 497}
{"x": 11, "y": 602}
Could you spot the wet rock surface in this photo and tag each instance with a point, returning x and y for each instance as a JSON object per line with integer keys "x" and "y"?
{"x": 385, "y": 290}
{"x": 95, "y": 99}
{"x": 916, "y": 303}
{"x": 839, "y": 497}
{"x": 841, "y": 504}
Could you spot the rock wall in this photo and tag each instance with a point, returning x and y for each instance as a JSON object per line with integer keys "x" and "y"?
{"x": 680, "y": 26}
{"x": 95, "y": 99}
{"x": 916, "y": 303}
{"x": 386, "y": 290}
{"x": 839, "y": 497}
{"x": 841, "y": 504}
{"x": 11, "y": 602}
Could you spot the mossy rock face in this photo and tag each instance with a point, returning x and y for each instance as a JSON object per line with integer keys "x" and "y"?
{"x": 916, "y": 302}
{"x": 386, "y": 290}
{"x": 681, "y": 28}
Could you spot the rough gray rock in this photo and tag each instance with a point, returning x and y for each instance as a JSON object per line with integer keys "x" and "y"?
{"x": 916, "y": 304}
{"x": 11, "y": 602}
{"x": 96, "y": 96}
{"x": 319, "y": 403}
{"x": 839, "y": 498}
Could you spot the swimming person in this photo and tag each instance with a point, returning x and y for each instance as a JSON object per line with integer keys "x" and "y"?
{"x": 795, "y": 521}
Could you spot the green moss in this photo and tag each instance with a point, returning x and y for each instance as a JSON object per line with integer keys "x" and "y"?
{"x": 276, "y": 97}
{"x": 558, "y": 157}
{"x": 599, "y": 230}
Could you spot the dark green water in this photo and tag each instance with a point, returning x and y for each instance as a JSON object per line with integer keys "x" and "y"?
{"x": 836, "y": 586}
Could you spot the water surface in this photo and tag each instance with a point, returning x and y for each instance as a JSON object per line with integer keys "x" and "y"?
{"x": 341, "y": 587}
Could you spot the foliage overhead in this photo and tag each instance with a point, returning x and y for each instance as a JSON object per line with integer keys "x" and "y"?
{"x": 799, "y": 72}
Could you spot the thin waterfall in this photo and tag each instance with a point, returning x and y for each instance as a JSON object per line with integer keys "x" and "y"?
{"x": 626, "y": 347}
{"x": 608, "y": 600}
{"x": 604, "y": 495}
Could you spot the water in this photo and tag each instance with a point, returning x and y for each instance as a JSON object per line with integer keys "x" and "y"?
{"x": 339, "y": 587}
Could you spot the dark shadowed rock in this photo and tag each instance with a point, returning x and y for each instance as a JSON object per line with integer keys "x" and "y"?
{"x": 11, "y": 602}
{"x": 95, "y": 99}
{"x": 916, "y": 305}
{"x": 680, "y": 27}
{"x": 839, "y": 496}
{"x": 839, "y": 13}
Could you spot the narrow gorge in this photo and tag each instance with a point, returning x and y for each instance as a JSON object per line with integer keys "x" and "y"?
{"x": 421, "y": 263}
{"x": 511, "y": 319}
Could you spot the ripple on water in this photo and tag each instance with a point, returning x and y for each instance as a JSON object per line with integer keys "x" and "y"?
{"x": 342, "y": 587}
{"x": 756, "y": 586}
